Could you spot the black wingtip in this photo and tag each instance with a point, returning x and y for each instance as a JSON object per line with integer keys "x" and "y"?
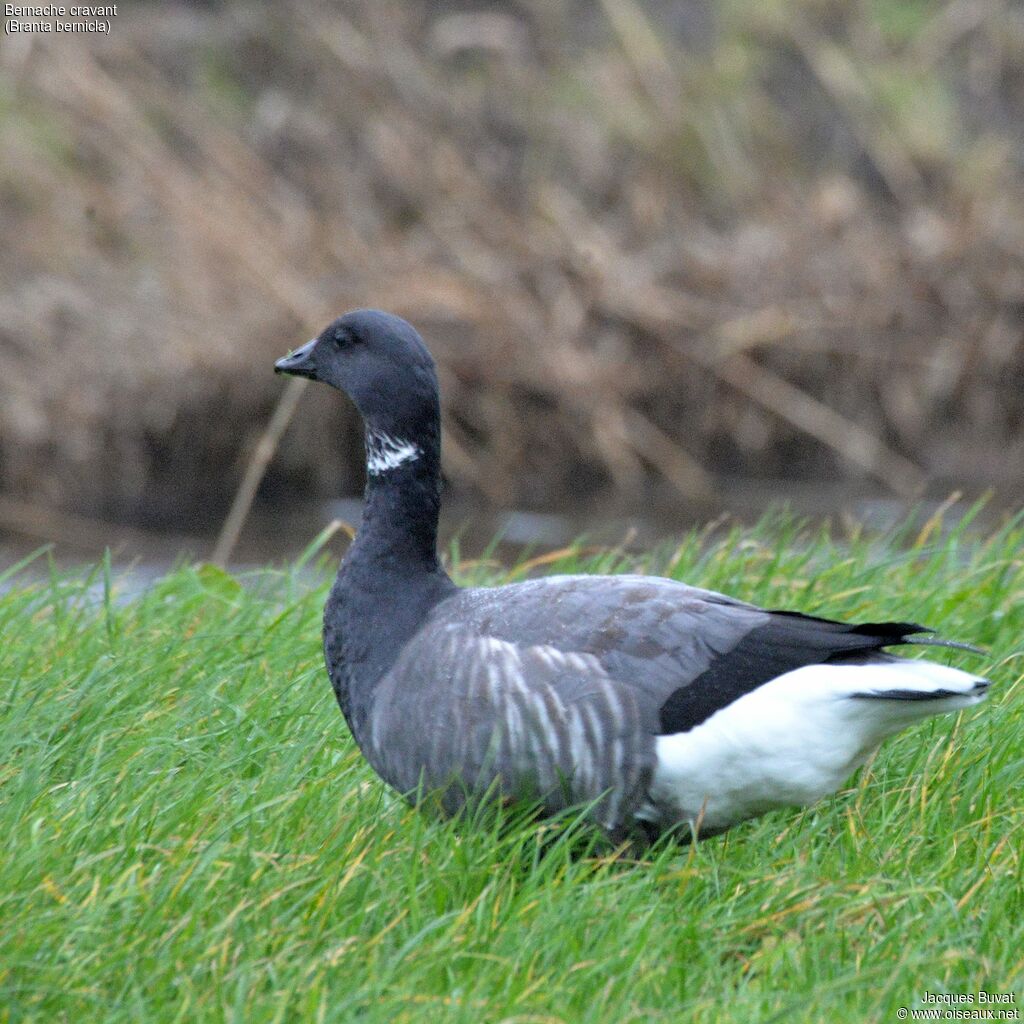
{"x": 899, "y": 631}
{"x": 910, "y": 633}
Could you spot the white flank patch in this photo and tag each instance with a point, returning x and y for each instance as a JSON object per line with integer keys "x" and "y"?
{"x": 384, "y": 452}
{"x": 794, "y": 739}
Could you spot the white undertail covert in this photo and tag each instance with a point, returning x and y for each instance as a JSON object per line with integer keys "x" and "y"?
{"x": 797, "y": 738}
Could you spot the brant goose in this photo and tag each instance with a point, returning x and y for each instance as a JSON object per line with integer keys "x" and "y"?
{"x": 660, "y": 705}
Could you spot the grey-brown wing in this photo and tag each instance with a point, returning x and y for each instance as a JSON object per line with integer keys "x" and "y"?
{"x": 683, "y": 652}
{"x": 651, "y": 636}
{"x": 461, "y": 713}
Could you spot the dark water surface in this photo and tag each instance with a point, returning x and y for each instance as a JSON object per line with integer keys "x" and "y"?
{"x": 276, "y": 538}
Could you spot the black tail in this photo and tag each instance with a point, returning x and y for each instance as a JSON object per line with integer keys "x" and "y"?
{"x": 980, "y": 686}
{"x": 895, "y": 633}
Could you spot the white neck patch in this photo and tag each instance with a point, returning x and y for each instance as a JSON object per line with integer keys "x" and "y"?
{"x": 384, "y": 452}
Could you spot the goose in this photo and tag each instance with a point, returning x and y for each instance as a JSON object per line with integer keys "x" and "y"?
{"x": 658, "y": 706}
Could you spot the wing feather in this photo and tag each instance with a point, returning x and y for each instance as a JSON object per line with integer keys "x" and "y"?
{"x": 532, "y": 721}
{"x": 684, "y": 652}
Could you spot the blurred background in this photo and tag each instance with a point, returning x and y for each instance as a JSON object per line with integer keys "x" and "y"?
{"x": 672, "y": 257}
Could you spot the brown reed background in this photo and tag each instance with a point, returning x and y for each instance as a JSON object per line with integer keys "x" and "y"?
{"x": 652, "y": 245}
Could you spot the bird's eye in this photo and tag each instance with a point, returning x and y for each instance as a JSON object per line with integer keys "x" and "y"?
{"x": 344, "y": 338}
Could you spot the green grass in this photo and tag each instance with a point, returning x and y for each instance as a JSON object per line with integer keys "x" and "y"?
{"x": 190, "y": 835}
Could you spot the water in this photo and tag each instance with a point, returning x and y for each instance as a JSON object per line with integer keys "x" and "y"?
{"x": 276, "y": 538}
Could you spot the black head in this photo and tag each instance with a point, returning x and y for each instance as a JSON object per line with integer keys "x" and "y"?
{"x": 378, "y": 360}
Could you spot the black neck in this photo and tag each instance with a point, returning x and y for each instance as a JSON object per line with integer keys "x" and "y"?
{"x": 390, "y": 578}
{"x": 398, "y": 532}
